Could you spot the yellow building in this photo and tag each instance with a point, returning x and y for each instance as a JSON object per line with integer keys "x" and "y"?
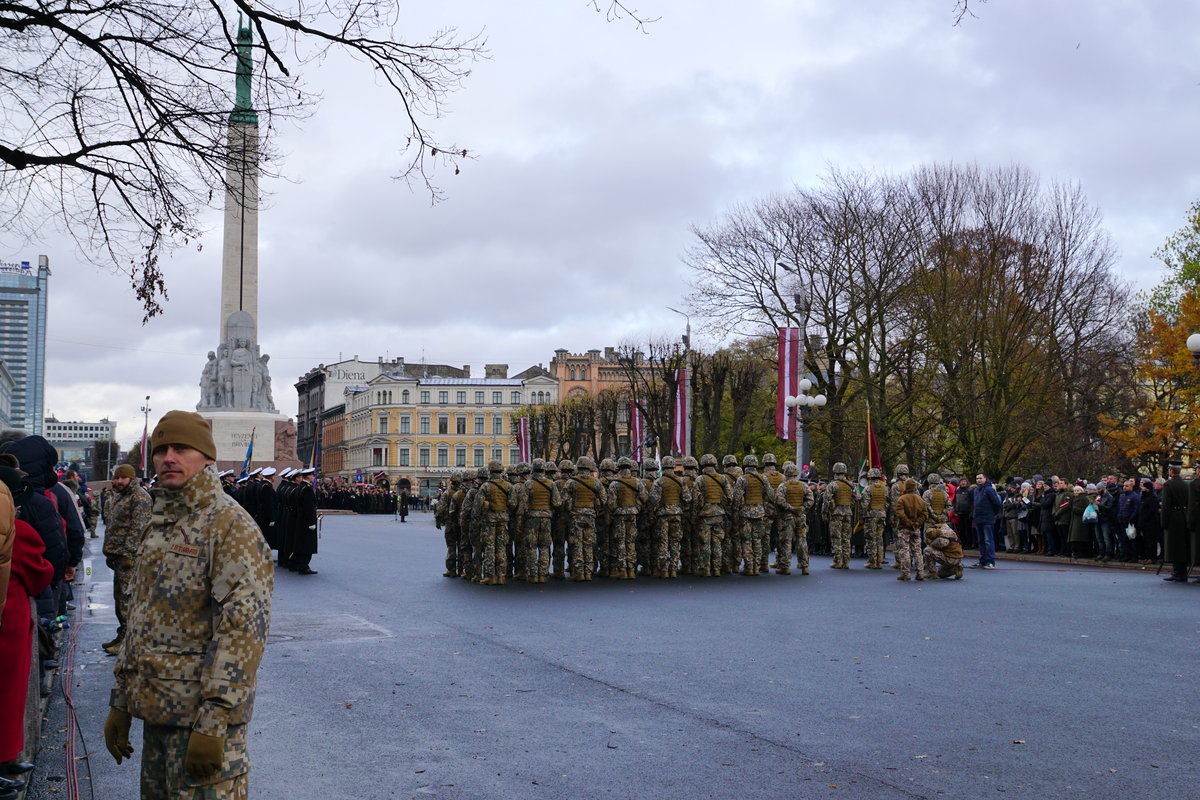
{"x": 425, "y": 428}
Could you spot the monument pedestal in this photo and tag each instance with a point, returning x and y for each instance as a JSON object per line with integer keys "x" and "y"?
{"x": 274, "y": 438}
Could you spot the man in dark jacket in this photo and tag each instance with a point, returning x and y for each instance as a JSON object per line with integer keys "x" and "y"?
{"x": 962, "y": 510}
{"x": 1177, "y": 546}
{"x": 985, "y": 511}
{"x": 1128, "y": 504}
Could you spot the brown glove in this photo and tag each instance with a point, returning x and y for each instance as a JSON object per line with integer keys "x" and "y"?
{"x": 204, "y": 755}
{"x": 116, "y": 734}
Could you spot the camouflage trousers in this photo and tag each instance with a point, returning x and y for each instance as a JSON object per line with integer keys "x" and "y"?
{"x": 493, "y": 536}
{"x": 583, "y": 544}
{"x": 559, "y": 534}
{"x": 164, "y": 774}
{"x": 792, "y": 537}
{"x": 839, "y": 539}
{"x": 667, "y": 539}
{"x": 710, "y": 546}
{"x": 873, "y": 535}
{"x": 537, "y": 547}
{"x": 454, "y": 564}
{"x": 624, "y": 534}
{"x": 516, "y": 549}
{"x": 771, "y": 542}
{"x": 752, "y": 540}
{"x": 604, "y": 554}
{"x": 123, "y": 569}
{"x": 939, "y": 562}
{"x": 687, "y": 547}
{"x": 908, "y": 550}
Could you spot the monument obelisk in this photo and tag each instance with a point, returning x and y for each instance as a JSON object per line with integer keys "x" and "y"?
{"x": 235, "y": 386}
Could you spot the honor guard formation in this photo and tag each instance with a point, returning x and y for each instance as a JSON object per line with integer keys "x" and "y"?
{"x": 541, "y": 520}
{"x": 286, "y": 515}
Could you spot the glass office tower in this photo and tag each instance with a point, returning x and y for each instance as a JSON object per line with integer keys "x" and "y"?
{"x": 23, "y": 338}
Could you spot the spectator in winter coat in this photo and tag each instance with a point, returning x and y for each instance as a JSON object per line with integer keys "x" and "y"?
{"x": 1149, "y": 525}
{"x": 985, "y": 511}
{"x": 1129, "y": 504}
{"x": 962, "y": 510}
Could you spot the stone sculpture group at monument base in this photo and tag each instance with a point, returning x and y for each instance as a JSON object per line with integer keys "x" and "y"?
{"x": 236, "y": 375}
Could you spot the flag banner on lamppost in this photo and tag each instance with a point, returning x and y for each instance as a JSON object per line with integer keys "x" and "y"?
{"x": 523, "y": 439}
{"x": 873, "y": 459}
{"x": 682, "y": 424}
{"x": 635, "y": 430}
{"x": 789, "y": 382}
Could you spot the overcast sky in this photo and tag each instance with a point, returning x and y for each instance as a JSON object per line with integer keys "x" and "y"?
{"x": 598, "y": 146}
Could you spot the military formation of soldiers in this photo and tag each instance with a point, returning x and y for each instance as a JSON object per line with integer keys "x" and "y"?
{"x": 538, "y": 521}
{"x": 287, "y": 515}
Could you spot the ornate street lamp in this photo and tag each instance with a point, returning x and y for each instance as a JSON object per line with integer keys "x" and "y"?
{"x": 800, "y": 402}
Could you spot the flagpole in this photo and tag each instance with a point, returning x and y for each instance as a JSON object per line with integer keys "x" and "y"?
{"x": 145, "y": 437}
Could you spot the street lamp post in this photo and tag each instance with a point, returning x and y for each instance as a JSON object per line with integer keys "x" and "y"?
{"x": 800, "y": 402}
{"x": 145, "y": 443}
{"x": 687, "y": 356}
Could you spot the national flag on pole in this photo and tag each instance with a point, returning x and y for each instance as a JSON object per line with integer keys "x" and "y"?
{"x": 789, "y": 382}
{"x": 636, "y": 434}
{"x": 316, "y": 459}
{"x": 682, "y": 427}
{"x": 523, "y": 444}
{"x": 249, "y": 454}
{"x": 873, "y": 459}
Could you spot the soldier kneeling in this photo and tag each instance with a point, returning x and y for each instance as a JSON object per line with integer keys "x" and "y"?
{"x": 944, "y": 552}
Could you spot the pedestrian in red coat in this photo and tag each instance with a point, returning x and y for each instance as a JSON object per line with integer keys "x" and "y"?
{"x": 31, "y": 573}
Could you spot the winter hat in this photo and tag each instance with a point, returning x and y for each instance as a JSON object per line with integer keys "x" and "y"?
{"x": 184, "y": 427}
{"x": 125, "y": 471}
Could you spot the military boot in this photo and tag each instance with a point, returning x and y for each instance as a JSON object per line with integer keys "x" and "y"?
{"x": 958, "y": 573}
{"x": 903, "y": 576}
{"x": 113, "y": 647}
{"x": 804, "y": 570}
{"x": 782, "y": 571}
{"x": 920, "y": 576}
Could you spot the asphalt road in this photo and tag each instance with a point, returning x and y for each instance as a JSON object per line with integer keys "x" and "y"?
{"x": 385, "y": 680}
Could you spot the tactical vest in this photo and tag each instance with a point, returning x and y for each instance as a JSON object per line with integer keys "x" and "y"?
{"x": 775, "y": 477}
{"x": 878, "y": 497}
{"x": 937, "y": 501}
{"x": 627, "y": 492}
{"x": 796, "y": 492}
{"x": 712, "y": 490}
{"x": 672, "y": 493}
{"x": 497, "y": 495}
{"x": 585, "y": 495}
{"x": 843, "y": 493}
{"x": 754, "y": 490}
{"x": 539, "y": 494}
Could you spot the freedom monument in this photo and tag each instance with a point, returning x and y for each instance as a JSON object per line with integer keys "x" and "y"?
{"x": 235, "y": 386}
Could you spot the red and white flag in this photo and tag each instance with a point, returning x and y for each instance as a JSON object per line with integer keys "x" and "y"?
{"x": 789, "y": 382}
{"x": 636, "y": 433}
{"x": 682, "y": 428}
{"x": 523, "y": 439}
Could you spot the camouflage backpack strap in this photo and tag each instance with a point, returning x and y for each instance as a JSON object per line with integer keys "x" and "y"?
{"x": 586, "y": 486}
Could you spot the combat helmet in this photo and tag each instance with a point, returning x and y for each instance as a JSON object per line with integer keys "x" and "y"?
{"x": 586, "y": 464}
{"x": 874, "y": 472}
{"x": 523, "y": 468}
{"x": 934, "y": 478}
{"x": 495, "y": 467}
{"x": 708, "y": 460}
{"x": 566, "y": 467}
{"x": 608, "y": 465}
{"x": 689, "y": 462}
{"x": 668, "y": 463}
{"x": 901, "y": 470}
{"x": 750, "y": 461}
{"x": 839, "y": 468}
{"x": 624, "y": 462}
{"x": 729, "y": 461}
{"x": 768, "y": 459}
{"x": 539, "y": 465}
{"x": 649, "y": 465}
{"x": 790, "y": 469}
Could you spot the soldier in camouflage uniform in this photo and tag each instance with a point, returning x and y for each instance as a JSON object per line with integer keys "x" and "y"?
{"x": 774, "y": 478}
{"x": 518, "y": 547}
{"x": 839, "y": 512}
{"x": 494, "y": 502}
{"x": 199, "y": 615}
{"x": 669, "y": 495}
{"x": 943, "y": 553}
{"x": 626, "y": 496}
{"x": 793, "y": 499}
{"x": 470, "y": 526}
{"x": 587, "y": 497}
{"x": 751, "y": 493}
{"x": 606, "y": 552}
{"x": 444, "y": 518}
{"x": 874, "y": 503}
{"x": 539, "y": 499}
{"x": 691, "y": 516}
{"x": 730, "y": 472}
{"x": 126, "y": 517}
{"x": 716, "y": 497}
{"x": 937, "y": 501}
{"x": 647, "y": 522}
{"x": 894, "y": 491}
{"x": 911, "y": 514}
{"x": 560, "y": 531}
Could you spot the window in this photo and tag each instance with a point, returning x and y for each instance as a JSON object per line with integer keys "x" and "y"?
{"x": 497, "y": 453}
{"x": 423, "y": 456}
{"x": 424, "y": 396}
{"x": 404, "y": 397}
{"x": 496, "y": 398}
{"x": 478, "y": 457}
{"x": 497, "y": 425}
{"x": 443, "y": 397}
{"x": 460, "y": 456}
{"x": 479, "y": 398}
{"x": 514, "y": 455}
{"x": 383, "y": 424}
{"x": 404, "y": 456}
{"x": 443, "y": 456}
{"x": 405, "y": 424}
{"x": 443, "y": 425}
{"x": 378, "y": 457}
{"x": 461, "y": 397}
{"x": 479, "y": 424}
{"x": 460, "y": 425}
{"x": 516, "y": 398}
{"x": 424, "y": 424}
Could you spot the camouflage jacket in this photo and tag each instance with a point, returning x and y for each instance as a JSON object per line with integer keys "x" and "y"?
{"x": 199, "y": 613}
{"x": 784, "y": 505}
{"x": 126, "y": 517}
{"x": 741, "y": 506}
{"x": 659, "y": 488}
